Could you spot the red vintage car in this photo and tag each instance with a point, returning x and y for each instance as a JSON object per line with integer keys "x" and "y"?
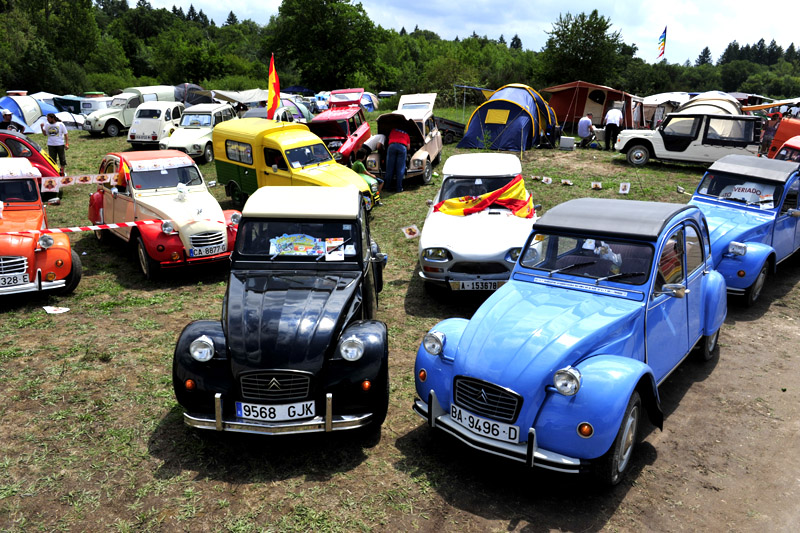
{"x": 167, "y": 186}
{"x": 13, "y": 144}
{"x": 343, "y": 127}
{"x": 31, "y": 260}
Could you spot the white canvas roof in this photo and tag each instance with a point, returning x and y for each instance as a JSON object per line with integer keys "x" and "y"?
{"x": 242, "y": 97}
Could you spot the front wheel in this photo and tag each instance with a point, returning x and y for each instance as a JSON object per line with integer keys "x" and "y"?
{"x": 74, "y": 276}
{"x": 148, "y": 266}
{"x": 639, "y": 155}
{"x": 754, "y": 291}
{"x": 427, "y": 173}
{"x": 112, "y": 129}
{"x": 208, "y": 154}
{"x": 616, "y": 461}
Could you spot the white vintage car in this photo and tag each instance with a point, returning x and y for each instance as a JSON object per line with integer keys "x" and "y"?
{"x": 154, "y": 121}
{"x": 472, "y": 237}
{"x": 193, "y": 135}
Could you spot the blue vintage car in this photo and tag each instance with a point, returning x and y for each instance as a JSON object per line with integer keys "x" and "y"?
{"x": 751, "y": 207}
{"x": 558, "y": 367}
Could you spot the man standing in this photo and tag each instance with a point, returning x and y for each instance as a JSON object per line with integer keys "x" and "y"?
{"x": 6, "y": 124}
{"x": 399, "y": 143}
{"x": 586, "y": 130}
{"x": 612, "y": 121}
{"x": 57, "y": 140}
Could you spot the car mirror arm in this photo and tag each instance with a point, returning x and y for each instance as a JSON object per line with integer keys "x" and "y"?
{"x": 675, "y": 290}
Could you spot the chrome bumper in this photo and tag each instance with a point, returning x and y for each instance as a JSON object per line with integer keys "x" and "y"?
{"x": 33, "y": 286}
{"x": 524, "y": 452}
{"x": 318, "y": 424}
{"x": 453, "y": 279}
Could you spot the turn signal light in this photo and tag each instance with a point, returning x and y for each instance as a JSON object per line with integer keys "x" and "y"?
{"x": 741, "y": 273}
{"x": 189, "y": 384}
{"x": 160, "y": 247}
{"x": 366, "y": 385}
{"x": 51, "y": 276}
{"x": 174, "y": 256}
{"x": 59, "y": 262}
{"x": 585, "y": 430}
{"x": 423, "y": 375}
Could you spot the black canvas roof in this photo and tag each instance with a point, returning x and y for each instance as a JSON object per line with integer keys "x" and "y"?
{"x": 620, "y": 218}
{"x": 757, "y": 167}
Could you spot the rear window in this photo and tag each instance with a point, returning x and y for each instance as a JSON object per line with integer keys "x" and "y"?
{"x": 148, "y": 113}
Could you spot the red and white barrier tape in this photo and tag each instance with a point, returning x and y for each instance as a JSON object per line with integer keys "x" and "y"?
{"x": 78, "y": 229}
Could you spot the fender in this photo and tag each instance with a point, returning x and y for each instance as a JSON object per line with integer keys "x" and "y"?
{"x": 439, "y": 368}
{"x": 606, "y": 386}
{"x": 716, "y": 302}
{"x": 751, "y": 263}
{"x": 153, "y": 237}
{"x": 633, "y": 142}
{"x": 231, "y": 227}
{"x": 373, "y": 334}
{"x": 210, "y": 377}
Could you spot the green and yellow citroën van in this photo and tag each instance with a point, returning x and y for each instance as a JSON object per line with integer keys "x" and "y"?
{"x": 254, "y": 152}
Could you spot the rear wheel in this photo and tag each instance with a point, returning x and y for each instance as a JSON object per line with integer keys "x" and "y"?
{"x": 101, "y": 235}
{"x": 616, "y": 461}
{"x": 638, "y": 155}
{"x": 709, "y": 347}
{"x": 74, "y": 276}
{"x": 208, "y": 154}
{"x": 148, "y": 266}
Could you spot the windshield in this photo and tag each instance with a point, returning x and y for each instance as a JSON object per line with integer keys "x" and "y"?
{"x": 329, "y": 128}
{"x": 167, "y": 177}
{"x": 119, "y": 102}
{"x": 606, "y": 259}
{"x": 743, "y": 189}
{"x": 456, "y": 187}
{"x": 281, "y": 240}
{"x": 307, "y": 155}
{"x": 196, "y": 120}
{"x": 788, "y": 154}
{"x": 18, "y": 191}
{"x": 148, "y": 113}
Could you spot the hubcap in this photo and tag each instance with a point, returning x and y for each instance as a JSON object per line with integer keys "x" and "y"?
{"x": 143, "y": 259}
{"x": 628, "y": 438}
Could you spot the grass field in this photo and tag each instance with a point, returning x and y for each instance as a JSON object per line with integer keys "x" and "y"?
{"x": 92, "y": 439}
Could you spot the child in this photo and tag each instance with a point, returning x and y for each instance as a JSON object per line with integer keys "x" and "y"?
{"x": 358, "y": 166}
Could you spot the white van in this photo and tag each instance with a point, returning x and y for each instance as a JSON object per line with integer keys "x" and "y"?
{"x": 154, "y": 121}
{"x": 88, "y": 105}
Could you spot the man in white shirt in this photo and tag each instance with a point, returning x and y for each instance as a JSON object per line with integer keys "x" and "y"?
{"x": 586, "y": 130}
{"x": 612, "y": 121}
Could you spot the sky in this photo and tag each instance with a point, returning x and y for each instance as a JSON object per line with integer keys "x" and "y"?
{"x": 691, "y": 25}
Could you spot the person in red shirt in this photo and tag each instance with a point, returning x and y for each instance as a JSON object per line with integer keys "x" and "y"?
{"x": 396, "y": 153}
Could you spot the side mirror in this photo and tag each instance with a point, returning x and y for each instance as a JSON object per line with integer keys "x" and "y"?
{"x": 212, "y": 183}
{"x": 380, "y": 257}
{"x": 793, "y": 213}
{"x": 680, "y": 190}
{"x": 114, "y": 192}
{"x": 429, "y": 203}
{"x": 274, "y": 167}
{"x": 676, "y": 290}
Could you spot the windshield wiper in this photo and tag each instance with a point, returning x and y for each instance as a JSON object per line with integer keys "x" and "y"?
{"x": 573, "y": 265}
{"x": 621, "y": 275}
{"x": 328, "y": 252}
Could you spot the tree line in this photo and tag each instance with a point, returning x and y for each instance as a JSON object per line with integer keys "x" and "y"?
{"x": 72, "y": 46}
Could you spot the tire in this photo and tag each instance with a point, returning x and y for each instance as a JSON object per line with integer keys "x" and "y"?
{"x": 638, "y": 155}
{"x": 381, "y": 405}
{"x": 427, "y": 173}
{"x": 754, "y": 291}
{"x": 237, "y": 196}
{"x": 709, "y": 346}
{"x": 208, "y": 154}
{"x": 112, "y": 129}
{"x": 74, "y": 276}
{"x": 146, "y": 264}
{"x": 449, "y": 138}
{"x": 101, "y": 235}
{"x": 617, "y": 459}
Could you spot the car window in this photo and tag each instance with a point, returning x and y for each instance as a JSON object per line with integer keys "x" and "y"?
{"x": 790, "y": 202}
{"x": 165, "y": 177}
{"x": 742, "y": 189}
{"x": 457, "y": 187}
{"x": 176, "y": 113}
{"x": 694, "y": 249}
{"x": 134, "y": 103}
{"x": 282, "y": 240}
{"x": 241, "y": 152}
{"x": 18, "y": 190}
{"x": 307, "y": 155}
{"x": 682, "y": 126}
{"x": 606, "y": 259}
{"x": 18, "y": 149}
{"x": 670, "y": 262}
{"x": 275, "y": 157}
{"x": 120, "y": 102}
{"x": 196, "y": 120}
{"x": 4, "y": 151}
{"x": 217, "y": 118}
{"x": 730, "y": 129}
{"x": 148, "y": 113}
{"x": 167, "y": 115}
{"x": 788, "y": 154}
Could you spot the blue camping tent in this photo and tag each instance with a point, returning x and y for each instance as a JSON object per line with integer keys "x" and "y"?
{"x": 514, "y": 117}
{"x": 26, "y": 110}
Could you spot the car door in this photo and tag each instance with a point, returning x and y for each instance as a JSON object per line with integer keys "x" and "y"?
{"x": 666, "y": 330}
{"x": 678, "y": 133}
{"x": 726, "y": 135}
{"x": 130, "y": 110}
{"x": 433, "y": 138}
{"x": 276, "y": 170}
{"x": 697, "y": 251}
{"x": 120, "y": 201}
{"x": 784, "y": 236}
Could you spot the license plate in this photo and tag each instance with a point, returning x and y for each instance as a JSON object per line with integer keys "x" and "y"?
{"x": 206, "y": 250}
{"x": 143, "y": 137}
{"x": 275, "y": 413}
{"x": 483, "y": 426}
{"x": 476, "y": 285}
{"x": 7, "y": 280}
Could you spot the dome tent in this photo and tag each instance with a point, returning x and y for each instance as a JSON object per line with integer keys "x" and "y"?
{"x": 514, "y": 117}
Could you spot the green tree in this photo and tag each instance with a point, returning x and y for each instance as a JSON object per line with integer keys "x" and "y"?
{"x": 735, "y": 73}
{"x": 516, "y": 43}
{"x": 231, "y": 20}
{"x": 581, "y": 47}
{"x": 704, "y": 58}
{"x": 732, "y": 53}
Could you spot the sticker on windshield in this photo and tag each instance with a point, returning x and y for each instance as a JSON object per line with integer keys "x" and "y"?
{"x": 297, "y": 244}
{"x": 334, "y": 249}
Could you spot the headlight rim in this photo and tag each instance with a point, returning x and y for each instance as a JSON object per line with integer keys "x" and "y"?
{"x": 434, "y": 339}
{"x": 447, "y": 256}
{"x": 354, "y": 341}
{"x": 574, "y": 376}
{"x": 45, "y": 241}
{"x": 208, "y": 342}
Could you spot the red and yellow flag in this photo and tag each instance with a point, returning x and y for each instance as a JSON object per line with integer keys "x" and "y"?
{"x": 274, "y": 89}
{"x": 513, "y": 196}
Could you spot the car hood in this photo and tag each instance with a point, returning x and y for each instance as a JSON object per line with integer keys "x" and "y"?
{"x": 480, "y": 234}
{"x": 389, "y": 121}
{"x": 639, "y": 134}
{"x": 526, "y": 331}
{"x": 726, "y": 224}
{"x": 21, "y": 219}
{"x": 199, "y": 213}
{"x": 185, "y": 136}
{"x": 287, "y": 319}
{"x": 103, "y": 113}
{"x": 332, "y": 174}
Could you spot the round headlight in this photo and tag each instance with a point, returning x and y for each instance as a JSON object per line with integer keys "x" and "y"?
{"x": 236, "y": 218}
{"x": 167, "y": 226}
{"x": 416, "y": 163}
{"x": 567, "y": 381}
{"x": 45, "y": 241}
{"x": 195, "y": 148}
{"x": 351, "y": 349}
{"x": 373, "y": 187}
{"x": 436, "y": 254}
{"x": 202, "y": 348}
{"x": 334, "y": 145}
{"x": 433, "y": 342}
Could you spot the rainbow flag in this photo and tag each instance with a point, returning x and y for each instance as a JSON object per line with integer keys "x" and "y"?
{"x": 513, "y": 196}
{"x": 662, "y": 42}
{"x": 274, "y": 88}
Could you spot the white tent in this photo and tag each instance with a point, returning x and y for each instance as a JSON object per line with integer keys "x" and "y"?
{"x": 242, "y": 97}
{"x": 45, "y": 97}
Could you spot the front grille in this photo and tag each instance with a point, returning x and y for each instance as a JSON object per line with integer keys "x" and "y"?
{"x": 208, "y": 238}
{"x": 486, "y": 399}
{"x": 276, "y": 386}
{"x": 479, "y": 268}
{"x": 10, "y": 264}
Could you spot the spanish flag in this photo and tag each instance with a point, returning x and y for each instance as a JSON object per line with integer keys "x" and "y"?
{"x": 513, "y": 196}
{"x": 274, "y": 89}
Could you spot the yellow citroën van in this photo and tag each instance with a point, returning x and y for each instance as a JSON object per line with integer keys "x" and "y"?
{"x": 254, "y": 152}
